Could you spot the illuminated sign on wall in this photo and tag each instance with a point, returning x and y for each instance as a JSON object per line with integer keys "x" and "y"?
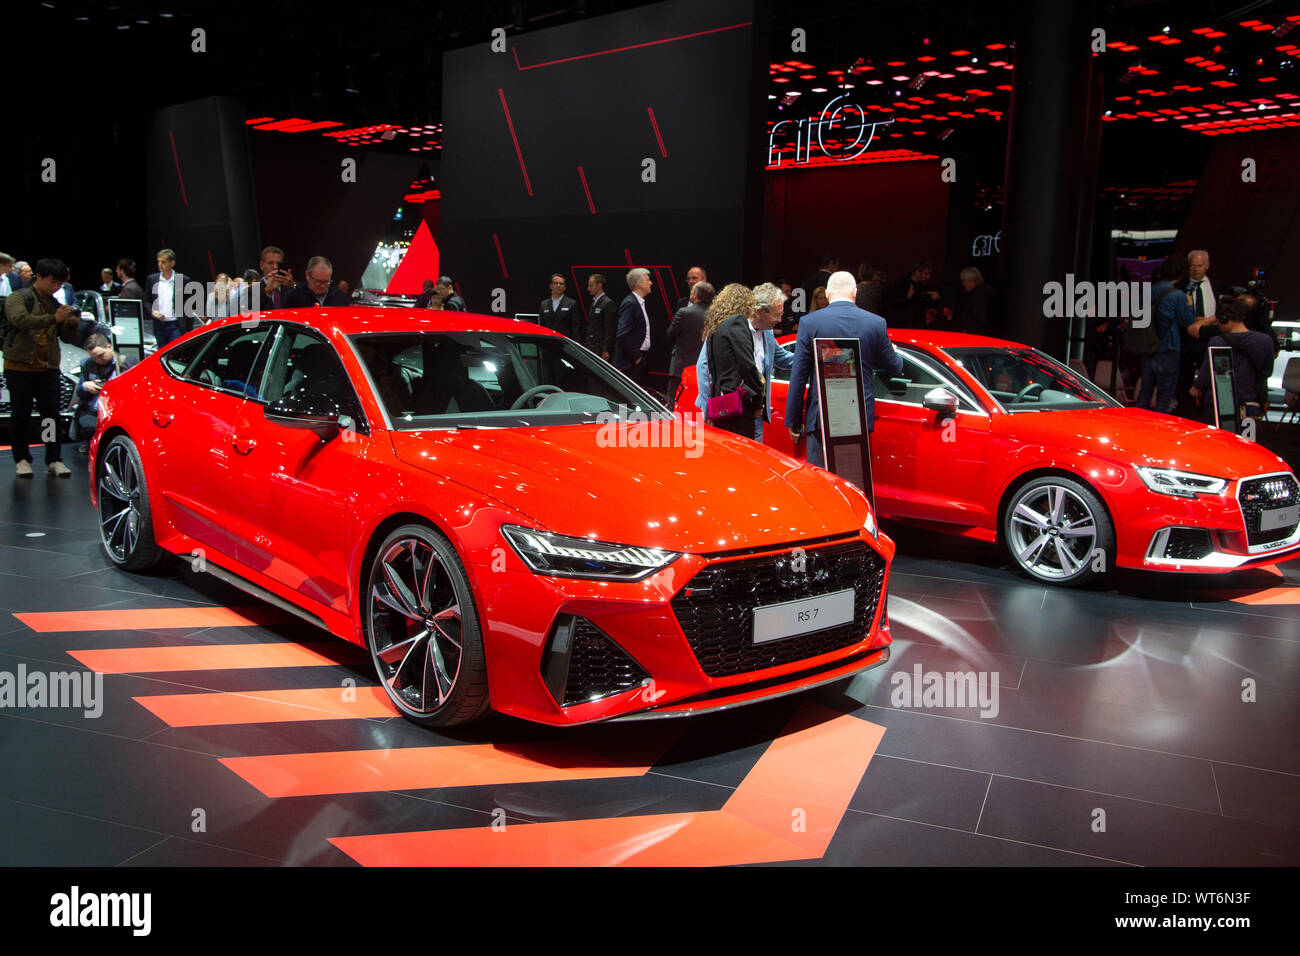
{"x": 813, "y": 130}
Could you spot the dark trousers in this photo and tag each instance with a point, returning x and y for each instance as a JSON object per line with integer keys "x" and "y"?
{"x": 640, "y": 372}
{"x": 41, "y": 388}
{"x": 816, "y": 455}
{"x": 165, "y": 332}
{"x": 674, "y": 383}
{"x": 1159, "y": 375}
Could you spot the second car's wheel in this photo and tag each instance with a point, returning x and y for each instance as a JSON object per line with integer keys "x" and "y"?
{"x": 423, "y": 631}
{"x": 125, "y": 524}
{"x": 1058, "y": 531}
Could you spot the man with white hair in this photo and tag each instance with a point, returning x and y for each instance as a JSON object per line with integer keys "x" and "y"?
{"x": 1200, "y": 296}
{"x": 839, "y": 320}
{"x": 769, "y": 307}
{"x": 632, "y": 343}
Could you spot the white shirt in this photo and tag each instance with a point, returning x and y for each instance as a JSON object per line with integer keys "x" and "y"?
{"x": 1207, "y": 295}
{"x": 61, "y": 297}
{"x": 645, "y": 345}
{"x": 555, "y": 302}
{"x": 760, "y": 353}
{"x": 6, "y": 285}
{"x": 166, "y": 292}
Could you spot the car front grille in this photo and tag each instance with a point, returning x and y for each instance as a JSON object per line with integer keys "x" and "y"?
{"x": 67, "y": 391}
{"x": 582, "y": 663}
{"x": 715, "y": 608}
{"x": 1188, "y": 544}
{"x": 1257, "y": 495}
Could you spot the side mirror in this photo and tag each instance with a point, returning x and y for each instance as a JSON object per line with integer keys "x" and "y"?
{"x": 942, "y": 401}
{"x": 317, "y": 413}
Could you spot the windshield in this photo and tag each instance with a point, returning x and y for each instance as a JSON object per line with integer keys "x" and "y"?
{"x": 492, "y": 380}
{"x": 1027, "y": 380}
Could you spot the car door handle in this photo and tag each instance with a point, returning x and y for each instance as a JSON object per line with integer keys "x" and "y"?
{"x": 162, "y": 419}
{"x": 243, "y": 445}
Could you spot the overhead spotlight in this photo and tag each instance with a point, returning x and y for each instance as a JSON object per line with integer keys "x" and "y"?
{"x": 859, "y": 66}
{"x": 388, "y": 134}
{"x": 789, "y": 99}
{"x": 917, "y": 83}
{"x": 945, "y": 134}
{"x": 1284, "y": 28}
{"x": 1164, "y": 29}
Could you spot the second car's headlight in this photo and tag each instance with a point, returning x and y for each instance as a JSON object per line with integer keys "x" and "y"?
{"x": 1183, "y": 484}
{"x": 869, "y": 524}
{"x": 562, "y": 556}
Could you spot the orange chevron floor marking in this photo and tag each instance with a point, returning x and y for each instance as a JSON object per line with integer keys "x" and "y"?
{"x": 1271, "y": 596}
{"x": 212, "y": 657}
{"x": 152, "y": 618}
{"x": 787, "y": 808}
{"x": 425, "y": 768}
{"x": 267, "y": 706}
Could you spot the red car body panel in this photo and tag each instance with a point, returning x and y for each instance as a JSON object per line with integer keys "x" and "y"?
{"x": 300, "y": 517}
{"x": 957, "y": 486}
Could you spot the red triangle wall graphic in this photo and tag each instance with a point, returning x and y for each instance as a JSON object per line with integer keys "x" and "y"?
{"x": 419, "y": 263}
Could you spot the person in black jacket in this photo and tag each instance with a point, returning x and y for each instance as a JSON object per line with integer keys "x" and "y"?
{"x": 559, "y": 312}
{"x": 632, "y": 348}
{"x": 685, "y": 336}
{"x": 733, "y": 360}
{"x": 102, "y": 365}
{"x": 602, "y": 321}
{"x": 316, "y": 290}
{"x": 693, "y": 275}
{"x": 1252, "y": 358}
{"x": 445, "y": 289}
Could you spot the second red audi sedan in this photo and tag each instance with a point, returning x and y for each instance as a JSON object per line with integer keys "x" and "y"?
{"x": 500, "y": 517}
{"x": 999, "y": 442}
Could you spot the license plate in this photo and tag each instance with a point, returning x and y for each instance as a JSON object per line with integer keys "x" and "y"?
{"x": 1274, "y": 518}
{"x": 777, "y": 621}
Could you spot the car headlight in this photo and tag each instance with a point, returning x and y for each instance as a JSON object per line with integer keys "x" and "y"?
{"x": 869, "y": 524}
{"x": 561, "y": 556}
{"x": 1183, "y": 484}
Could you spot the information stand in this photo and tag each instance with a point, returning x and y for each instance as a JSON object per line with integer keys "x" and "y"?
{"x": 845, "y": 439}
{"x": 1223, "y": 389}
{"x": 126, "y": 318}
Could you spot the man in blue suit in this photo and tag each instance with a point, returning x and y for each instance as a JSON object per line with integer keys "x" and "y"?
{"x": 632, "y": 344}
{"x": 839, "y": 320}
{"x": 769, "y": 306}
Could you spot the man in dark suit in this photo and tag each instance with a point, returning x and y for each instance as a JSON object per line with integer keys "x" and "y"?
{"x": 446, "y": 290}
{"x": 818, "y": 279}
{"x": 839, "y": 320}
{"x": 693, "y": 275}
{"x": 685, "y": 336}
{"x": 559, "y": 312}
{"x": 317, "y": 289}
{"x": 632, "y": 356}
{"x": 108, "y": 284}
{"x": 165, "y": 301}
{"x": 602, "y": 321}
{"x": 131, "y": 288}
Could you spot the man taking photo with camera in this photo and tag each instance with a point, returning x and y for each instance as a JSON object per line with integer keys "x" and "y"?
{"x": 34, "y": 323}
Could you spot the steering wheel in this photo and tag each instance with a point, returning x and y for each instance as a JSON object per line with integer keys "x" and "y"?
{"x": 1035, "y": 387}
{"x": 533, "y": 392}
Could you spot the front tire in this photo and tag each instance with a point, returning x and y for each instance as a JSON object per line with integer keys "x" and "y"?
{"x": 422, "y": 629}
{"x": 125, "y": 521}
{"x": 1056, "y": 529}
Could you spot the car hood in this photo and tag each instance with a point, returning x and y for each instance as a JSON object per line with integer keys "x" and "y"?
{"x": 1136, "y": 437}
{"x": 717, "y": 493}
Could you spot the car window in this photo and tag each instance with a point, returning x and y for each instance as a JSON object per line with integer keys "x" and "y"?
{"x": 303, "y": 363}
{"x": 178, "y": 359}
{"x": 229, "y": 362}
{"x": 493, "y": 379}
{"x": 917, "y": 377}
{"x": 1022, "y": 379}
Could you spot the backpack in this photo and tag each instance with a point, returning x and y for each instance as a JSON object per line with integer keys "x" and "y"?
{"x": 1144, "y": 340}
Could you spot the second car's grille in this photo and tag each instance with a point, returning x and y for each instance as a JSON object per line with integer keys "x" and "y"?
{"x": 715, "y": 608}
{"x": 1257, "y": 495}
{"x": 67, "y": 390}
{"x": 597, "y": 667}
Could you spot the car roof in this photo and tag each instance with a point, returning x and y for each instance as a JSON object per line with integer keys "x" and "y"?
{"x": 940, "y": 340}
{"x": 351, "y": 320}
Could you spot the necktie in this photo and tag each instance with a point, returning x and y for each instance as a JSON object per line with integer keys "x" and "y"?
{"x": 1200, "y": 298}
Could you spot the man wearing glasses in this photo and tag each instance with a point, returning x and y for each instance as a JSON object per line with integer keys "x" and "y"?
{"x": 317, "y": 289}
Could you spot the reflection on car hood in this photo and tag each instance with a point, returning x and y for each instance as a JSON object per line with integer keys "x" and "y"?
{"x": 1136, "y": 437}
{"x": 731, "y": 494}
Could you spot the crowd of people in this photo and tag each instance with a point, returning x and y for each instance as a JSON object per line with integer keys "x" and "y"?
{"x": 728, "y": 335}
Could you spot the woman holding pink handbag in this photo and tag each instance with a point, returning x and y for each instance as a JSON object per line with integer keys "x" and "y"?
{"x": 736, "y": 386}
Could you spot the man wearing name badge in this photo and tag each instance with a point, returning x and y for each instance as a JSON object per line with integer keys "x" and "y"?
{"x": 602, "y": 322}
{"x": 841, "y": 319}
{"x": 557, "y": 311}
{"x": 769, "y": 307}
{"x": 633, "y": 358}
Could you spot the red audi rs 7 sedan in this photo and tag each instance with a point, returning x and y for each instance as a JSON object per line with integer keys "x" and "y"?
{"x": 503, "y": 520}
{"x": 1000, "y": 442}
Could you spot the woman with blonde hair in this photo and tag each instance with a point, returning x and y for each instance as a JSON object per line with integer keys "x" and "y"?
{"x": 735, "y": 379}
